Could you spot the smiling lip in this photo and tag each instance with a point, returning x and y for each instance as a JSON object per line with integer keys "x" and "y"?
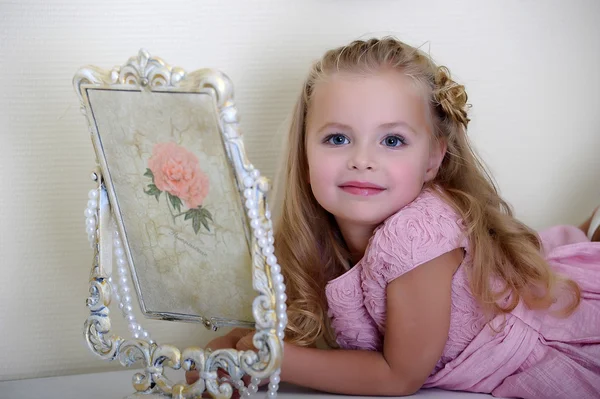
{"x": 361, "y": 188}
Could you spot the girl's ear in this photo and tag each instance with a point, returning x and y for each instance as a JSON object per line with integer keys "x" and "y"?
{"x": 436, "y": 156}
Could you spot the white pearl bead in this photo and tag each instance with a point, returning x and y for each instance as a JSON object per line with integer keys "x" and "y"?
{"x": 90, "y": 229}
{"x": 93, "y": 204}
{"x": 132, "y": 327}
{"x": 281, "y": 298}
{"x": 278, "y": 279}
{"x": 253, "y": 213}
{"x": 130, "y": 318}
{"x": 273, "y": 386}
{"x": 136, "y": 335}
{"x": 119, "y": 252}
{"x": 263, "y": 185}
{"x": 116, "y": 234}
{"x": 268, "y": 214}
{"x": 271, "y": 239}
{"x": 255, "y": 223}
{"x": 280, "y": 326}
{"x": 125, "y": 290}
{"x": 126, "y": 299}
{"x": 121, "y": 270}
{"x": 248, "y": 193}
{"x": 145, "y": 334}
{"x": 121, "y": 262}
{"x": 117, "y": 242}
{"x": 276, "y": 269}
{"x": 252, "y": 388}
{"x": 268, "y": 250}
{"x": 93, "y": 194}
{"x": 272, "y": 260}
{"x": 272, "y": 394}
{"x": 248, "y": 181}
{"x": 280, "y": 288}
{"x": 250, "y": 203}
{"x": 281, "y": 307}
{"x": 89, "y": 213}
{"x": 262, "y": 242}
{"x": 275, "y": 378}
{"x": 128, "y": 308}
{"x": 280, "y": 335}
{"x": 90, "y": 221}
{"x": 260, "y": 232}
{"x": 255, "y": 173}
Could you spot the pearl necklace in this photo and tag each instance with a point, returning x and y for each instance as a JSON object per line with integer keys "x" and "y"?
{"x": 265, "y": 242}
{"x": 122, "y": 291}
{"x": 120, "y": 286}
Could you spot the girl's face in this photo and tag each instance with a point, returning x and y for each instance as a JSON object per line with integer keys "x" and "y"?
{"x": 369, "y": 145}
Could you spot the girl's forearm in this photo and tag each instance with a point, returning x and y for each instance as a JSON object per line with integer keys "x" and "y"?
{"x": 345, "y": 372}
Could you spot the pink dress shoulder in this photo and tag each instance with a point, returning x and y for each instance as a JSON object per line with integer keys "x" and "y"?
{"x": 517, "y": 361}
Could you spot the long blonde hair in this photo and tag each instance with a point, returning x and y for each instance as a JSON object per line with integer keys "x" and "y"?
{"x": 308, "y": 242}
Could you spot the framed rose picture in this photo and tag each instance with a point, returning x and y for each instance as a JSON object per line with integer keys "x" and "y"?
{"x": 173, "y": 188}
{"x": 178, "y": 210}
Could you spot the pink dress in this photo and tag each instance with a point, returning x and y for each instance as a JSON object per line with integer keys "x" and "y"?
{"x": 535, "y": 355}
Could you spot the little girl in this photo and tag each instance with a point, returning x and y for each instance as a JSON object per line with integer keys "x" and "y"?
{"x": 396, "y": 246}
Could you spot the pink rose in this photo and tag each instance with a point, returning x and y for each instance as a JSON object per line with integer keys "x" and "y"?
{"x": 176, "y": 171}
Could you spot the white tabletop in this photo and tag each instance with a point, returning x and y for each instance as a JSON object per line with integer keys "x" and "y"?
{"x": 117, "y": 385}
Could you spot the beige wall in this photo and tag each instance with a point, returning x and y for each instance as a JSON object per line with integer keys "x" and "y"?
{"x": 531, "y": 69}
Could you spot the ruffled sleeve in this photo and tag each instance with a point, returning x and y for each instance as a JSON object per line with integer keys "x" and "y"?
{"x": 418, "y": 233}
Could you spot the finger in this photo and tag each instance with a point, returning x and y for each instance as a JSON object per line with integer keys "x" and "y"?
{"x": 222, "y": 373}
{"x": 239, "y": 332}
{"x": 192, "y": 376}
{"x": 224, "y": 342}
{"x": 245, "y": 343}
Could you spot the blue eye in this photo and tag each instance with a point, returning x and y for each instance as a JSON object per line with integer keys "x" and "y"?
{"x": 393, "y": 141}
{"x": 337, "y": 139}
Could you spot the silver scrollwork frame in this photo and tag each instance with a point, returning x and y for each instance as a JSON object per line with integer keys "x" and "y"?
{"x": 147, "y": 72}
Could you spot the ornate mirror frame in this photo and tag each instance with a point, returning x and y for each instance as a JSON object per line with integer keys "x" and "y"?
{"x": 106, "y": 234}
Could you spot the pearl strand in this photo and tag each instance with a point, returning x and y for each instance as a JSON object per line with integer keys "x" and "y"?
{"x": 122, "y": 291}
{"x": 91, "y": 216}
{"x": 264, "y": 234}
{"x": 122, "y": 295}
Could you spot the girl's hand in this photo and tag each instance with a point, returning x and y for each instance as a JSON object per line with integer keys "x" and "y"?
{"x": 241, "y": 340}
{"x": 224, "y": 342}
{"x": 245, "y": 344}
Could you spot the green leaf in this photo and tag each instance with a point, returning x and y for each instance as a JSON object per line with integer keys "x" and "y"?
{"x": 206, "y": 213}
{"x": 189, "y": 214}
{"x": 175, "y": 201}
{"x": 153, "y": 190}
{"x": 196, "y": 224}
{"x": 199, "y": 218}
{"x": 204, "y": 223}
{"x": 149, "y": 174}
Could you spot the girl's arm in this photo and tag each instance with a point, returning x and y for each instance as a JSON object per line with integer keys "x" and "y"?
{"x": 418, "y": 320}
